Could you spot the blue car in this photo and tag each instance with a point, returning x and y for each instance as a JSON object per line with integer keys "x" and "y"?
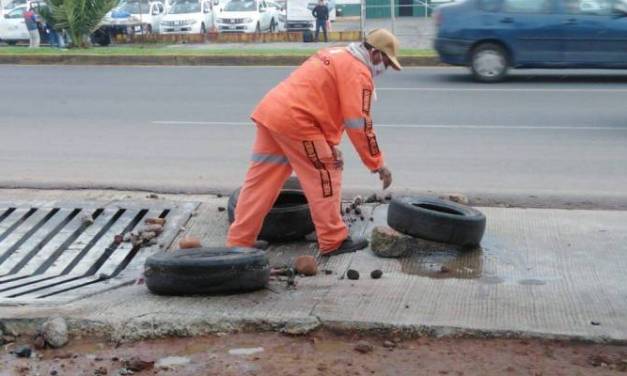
{"x": 491, "y": 36}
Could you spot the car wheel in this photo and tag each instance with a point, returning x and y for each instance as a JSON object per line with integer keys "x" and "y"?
{"x": 289, "y": 219}
{"x": 203, "y": 29}
{"x": 217, "y": 270}
{"x": 489, "y": 63}
{"x": 437, "y": 220}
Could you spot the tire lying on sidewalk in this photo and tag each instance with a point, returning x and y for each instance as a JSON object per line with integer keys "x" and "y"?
{"x": 289, "y": 219}
{"x": 199, "y": 271}
{"x": 437, "y": 220}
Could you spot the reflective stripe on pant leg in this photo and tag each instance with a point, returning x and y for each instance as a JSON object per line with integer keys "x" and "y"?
{"x": 325, "y": 211}
{"x": 266, "y": 175}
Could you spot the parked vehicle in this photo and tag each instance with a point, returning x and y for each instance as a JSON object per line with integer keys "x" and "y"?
{"x": 136, "y": 16}
{"x": 491, "y": 36}
{"x": 188, "y": 16}
{"x": 246, "y": 16}
{"x": 13, "y": 27}
{"x": 280, "y": 14}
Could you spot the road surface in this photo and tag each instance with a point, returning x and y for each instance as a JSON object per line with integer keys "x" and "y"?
{"x": 541, "y": 139}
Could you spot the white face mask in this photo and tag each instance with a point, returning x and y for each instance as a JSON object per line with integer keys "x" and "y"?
{"x": 378, "y": 69}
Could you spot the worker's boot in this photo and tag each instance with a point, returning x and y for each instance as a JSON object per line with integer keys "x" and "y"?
{"x": 349, "y": 245}
{"x": 261, "y": 244}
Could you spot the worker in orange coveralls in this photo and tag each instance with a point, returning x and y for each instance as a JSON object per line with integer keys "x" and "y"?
{"x": 300, "y": 122}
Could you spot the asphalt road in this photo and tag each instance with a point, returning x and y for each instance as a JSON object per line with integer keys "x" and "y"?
{"x": 542, "y": 139}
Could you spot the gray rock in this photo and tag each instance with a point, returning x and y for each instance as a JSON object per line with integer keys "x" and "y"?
{"x": 387, "y": 242}
{"x": 54, "y": 332}
{"x": 363, "y": 347}
{"x": 459, "y": 198}
{"x": 301, "y": 326}
{"x": 172, "y": 361}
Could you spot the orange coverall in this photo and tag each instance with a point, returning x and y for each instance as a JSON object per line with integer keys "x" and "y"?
{"x": 298, "y": 124}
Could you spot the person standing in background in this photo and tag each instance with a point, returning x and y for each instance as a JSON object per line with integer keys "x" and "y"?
{"x": 321, "y": 13}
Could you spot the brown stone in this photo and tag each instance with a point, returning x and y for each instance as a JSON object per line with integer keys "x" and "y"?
{"x": 189, "y": 242}
{"x": 155, "y": 221}
{"x": 137, "y": 364}
{"x": 306, "y": 265}
{"x": 456, "y": 197}
{"x": 157, "y": 229}
{"x": 363, "y": 347}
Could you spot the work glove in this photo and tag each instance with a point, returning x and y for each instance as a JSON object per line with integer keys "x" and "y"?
{"x": 385, "y": 175}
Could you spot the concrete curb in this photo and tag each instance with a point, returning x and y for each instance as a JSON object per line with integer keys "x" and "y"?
{"x": 183, "y": 60}
{"x": 145, "y": 328}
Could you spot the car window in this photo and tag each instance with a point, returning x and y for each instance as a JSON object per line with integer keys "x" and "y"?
{"x": 241, "y": 6}
{"x": 490, "y": 5}
{"x": 17, "y": 13}
{"x": 526, "y": 6}
{"x": 588, "y": 7}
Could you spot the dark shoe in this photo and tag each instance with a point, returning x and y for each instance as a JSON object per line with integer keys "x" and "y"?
{"x": 349, "y": 245}
{"x": 261, "y": 244}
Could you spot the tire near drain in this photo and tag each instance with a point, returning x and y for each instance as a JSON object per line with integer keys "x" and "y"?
{"x": 289, "y": 219}
{"x": 199, "y": 271}
{"x": 437, "y": 220}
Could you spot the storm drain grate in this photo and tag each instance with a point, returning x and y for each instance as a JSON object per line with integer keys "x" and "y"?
{"x": 58, "y": 252}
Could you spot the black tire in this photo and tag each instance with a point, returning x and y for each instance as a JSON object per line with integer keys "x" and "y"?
{"x": 437, "y": 220}
{"x": 207, "y": 271}
{"x": 289, "y": 219}
{"x": 101, "y": 37}
{"x": 489, "y": 63}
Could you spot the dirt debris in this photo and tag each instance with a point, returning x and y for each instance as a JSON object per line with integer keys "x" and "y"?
{"x": 352, "y": 274}
{"x": 137, "y": 364}
{"x": 376, "y": 274}
{"x": 23, "y": 352}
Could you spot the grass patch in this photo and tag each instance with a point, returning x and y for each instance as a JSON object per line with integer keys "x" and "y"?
{"x": 168, "y": 50}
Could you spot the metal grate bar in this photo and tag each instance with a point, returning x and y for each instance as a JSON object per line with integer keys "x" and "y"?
{"x": 32, "y": 225}
{"x": 14, "y": 221}
{"x": 50, "y": 253}
{"x": 81, "y": 264}
{"x": 111, "y": 265}
{"x": 51, "y": 250}
{"x": 34, "y": 244}
{"x": 55, "y": 266}
{"x": 6, "y": 213}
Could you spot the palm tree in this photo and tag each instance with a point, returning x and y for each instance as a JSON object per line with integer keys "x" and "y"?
{"x": 79, "y": 18}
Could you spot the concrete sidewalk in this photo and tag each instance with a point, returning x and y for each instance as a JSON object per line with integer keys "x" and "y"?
{"x": 541, "y": 273}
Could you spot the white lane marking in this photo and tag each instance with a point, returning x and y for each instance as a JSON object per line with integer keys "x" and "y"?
{"x": 418, "y": 126}
{"x": 499, "y": 90}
